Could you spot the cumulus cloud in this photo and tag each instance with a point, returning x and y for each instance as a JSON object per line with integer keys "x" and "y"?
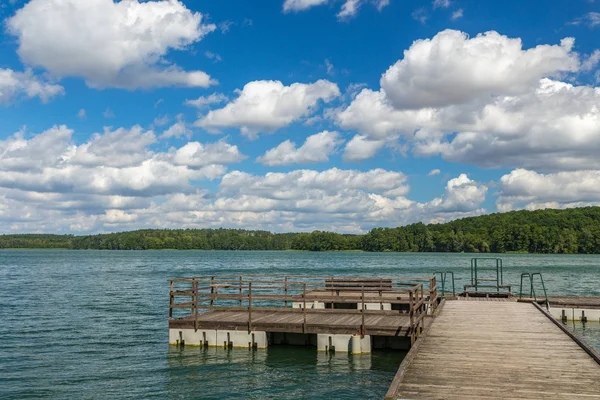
{"x": 266, "y": 106}
{"x": 360, "y": 148}
{"x": 110, "y": 44}
{"x": 178, "y": 129}
{"x": 523, "y": 188}
{"x": 15, "y": 85}
{"x": 317, "y": 148}
{"x": 434, "y": 172}
{"x": 504, "y": 111}
{"x": 115, "y": 163}
{"x": 462, "y": 195}
{"x": 452, "y": 68}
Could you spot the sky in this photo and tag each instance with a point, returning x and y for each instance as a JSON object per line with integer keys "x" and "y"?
{"x": 294, "y": 115}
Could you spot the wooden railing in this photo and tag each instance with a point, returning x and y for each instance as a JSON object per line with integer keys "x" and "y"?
{"x": 305, "y": 294}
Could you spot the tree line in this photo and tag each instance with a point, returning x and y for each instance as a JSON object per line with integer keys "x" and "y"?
{"x": 568, "y": 231}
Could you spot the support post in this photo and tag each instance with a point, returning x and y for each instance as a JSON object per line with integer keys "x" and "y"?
{"x": 362, "y": 298}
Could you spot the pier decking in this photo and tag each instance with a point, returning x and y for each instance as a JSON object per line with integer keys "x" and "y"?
{"x": 496, "y": 350}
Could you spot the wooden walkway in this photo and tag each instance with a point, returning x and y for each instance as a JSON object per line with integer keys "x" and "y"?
{"x": 496, "y": 350}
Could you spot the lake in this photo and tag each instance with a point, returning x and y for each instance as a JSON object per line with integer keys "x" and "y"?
{"x": 93, "y": 324}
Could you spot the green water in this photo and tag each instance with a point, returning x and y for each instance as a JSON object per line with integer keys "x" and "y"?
{"x": 93, "y": 324}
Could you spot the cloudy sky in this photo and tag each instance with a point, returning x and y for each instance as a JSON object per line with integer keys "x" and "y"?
{"x": 294, "y": 115}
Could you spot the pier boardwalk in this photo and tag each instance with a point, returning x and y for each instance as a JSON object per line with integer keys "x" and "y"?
{"x": 496, "y": 350}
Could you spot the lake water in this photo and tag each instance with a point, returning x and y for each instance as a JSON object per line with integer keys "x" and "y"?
{"x": 93, "y": 324}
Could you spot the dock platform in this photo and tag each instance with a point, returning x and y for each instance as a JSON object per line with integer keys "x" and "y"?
{"x": 352, "y": 314}
{"x": 496, "y": 350}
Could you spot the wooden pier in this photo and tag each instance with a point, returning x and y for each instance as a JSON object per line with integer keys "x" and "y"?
{"x": 497, "y": 350}
{"x": 301, "y": 305}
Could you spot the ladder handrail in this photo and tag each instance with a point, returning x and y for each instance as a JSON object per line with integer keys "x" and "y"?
{"x": 532, "y": 288}
{"x": 443, "y": 279}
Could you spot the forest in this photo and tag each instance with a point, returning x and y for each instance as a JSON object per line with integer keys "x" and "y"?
{"x": 569, "y": 231}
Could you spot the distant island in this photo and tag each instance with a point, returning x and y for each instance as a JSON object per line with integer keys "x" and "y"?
{"x": 569, "y": 231}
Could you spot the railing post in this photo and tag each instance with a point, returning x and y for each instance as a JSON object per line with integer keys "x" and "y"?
{"x": 304, "y": 308}
{"x": 171, "y": 298}
{"x": 249, "y": 307}
{"x": 195, "y": 303}
{"x": 241, "y": 302}
{"x": 285, "y": 291}
{"x": 212, "y": 291}
{"x": 412, "y": 317}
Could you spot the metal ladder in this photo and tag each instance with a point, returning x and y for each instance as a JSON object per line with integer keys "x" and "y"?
{"x": 532, "y": 288}
{"x": 444, "y": 280}
{"x": 496, "y": 284}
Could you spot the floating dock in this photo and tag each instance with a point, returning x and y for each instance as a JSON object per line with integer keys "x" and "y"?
{"x": 352, "y": 314}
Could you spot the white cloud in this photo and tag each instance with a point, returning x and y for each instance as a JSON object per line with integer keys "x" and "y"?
{"x": 317, "y": 148}
{"x": 516, "y": 118}
{"x": 452, "y": 68}
{"x": 116, "y": 163}
{"x": 420, "y": 14}
{"x": 329, "y": 67}
{"x": 349, "y": 9}
{"x": 434, "y": 172}
{"x": 591, "y": 19}
{"x": 178, "y": 129}
{"x": 195, "y": 154}
{"x": 458, "y": 14}
{"x": 110, "y": 44}
{"x": 531, "y": 190}
{"x": 441, "y": 4}
{"x": 108, "y": 113}
{"x": 213, "y": 56}
{"x": 360, "y": 148}
{"x": 266, "y": 106}
{"x": 15, "y": 85}
{"x": 82, "y": 114}
{"x": 381, "y": 4}
{"x": 462, "y": 195}
{"x": 204, "y": 101}
{"x": 119, "y": 148}
{"x": 301, "y": 5}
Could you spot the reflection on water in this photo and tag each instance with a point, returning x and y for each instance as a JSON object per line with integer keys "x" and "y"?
{"x": 279, "y": 371}
{"x": 588, "y": 331}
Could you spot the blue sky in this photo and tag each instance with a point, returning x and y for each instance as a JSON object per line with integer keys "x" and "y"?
{"x": 125, "y": 115}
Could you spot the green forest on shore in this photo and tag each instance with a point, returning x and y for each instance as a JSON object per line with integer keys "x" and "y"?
{"x": 569, "y": 231}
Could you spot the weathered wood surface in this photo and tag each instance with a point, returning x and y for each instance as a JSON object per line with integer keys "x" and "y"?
{"x": 292, "y": 321}
{"x": 497, "y": 350}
